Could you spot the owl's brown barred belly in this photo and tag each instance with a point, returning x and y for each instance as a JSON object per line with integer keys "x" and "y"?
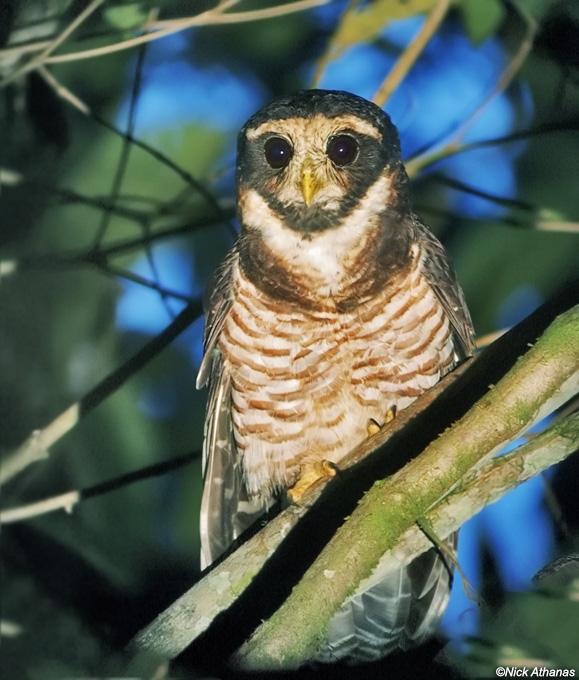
{"x": 304, "y": 384}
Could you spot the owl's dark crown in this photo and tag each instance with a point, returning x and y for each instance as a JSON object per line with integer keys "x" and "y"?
{"x": 330, "y": 103}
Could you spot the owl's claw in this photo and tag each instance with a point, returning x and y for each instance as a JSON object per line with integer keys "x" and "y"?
{"x": 310, "y": 474}
{"x": 373, "y": 426}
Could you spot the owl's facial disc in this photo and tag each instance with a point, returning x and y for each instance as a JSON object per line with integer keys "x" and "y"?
{"x": 311, "y": 171}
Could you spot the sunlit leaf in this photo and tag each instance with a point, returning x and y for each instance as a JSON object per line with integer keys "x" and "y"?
{"x": 125, "y": 16}
{"x": 481, "y": 19}
{"x": 358, "y": 26}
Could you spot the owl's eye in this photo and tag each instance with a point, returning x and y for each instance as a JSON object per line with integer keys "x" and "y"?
{"x": 278, "y": 152}
{"x": 342, "y": 149}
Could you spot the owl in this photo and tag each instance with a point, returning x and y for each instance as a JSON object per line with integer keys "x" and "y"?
{"x": 335, "y": 307}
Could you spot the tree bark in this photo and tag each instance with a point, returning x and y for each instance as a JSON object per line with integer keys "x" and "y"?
{"x": 440, "y": 487}
{"x": 545, "y": 378}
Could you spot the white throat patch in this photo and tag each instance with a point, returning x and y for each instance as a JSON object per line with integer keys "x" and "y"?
{"x": 319, "y": 254}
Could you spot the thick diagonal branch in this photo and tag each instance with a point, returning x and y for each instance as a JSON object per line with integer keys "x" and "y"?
{"x": 194, "y": 612}
{"x": 543, "y": 379}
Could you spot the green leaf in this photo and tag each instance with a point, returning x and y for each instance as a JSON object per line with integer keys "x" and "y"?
{"x": 481, "y": 19}
{"x": 366, "y": 24}
{"x": 125, "y": 16}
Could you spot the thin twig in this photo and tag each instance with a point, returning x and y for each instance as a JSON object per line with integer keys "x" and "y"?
{"x": 142, "y": 281}
{"x": 36, "y": 446}
{"x": 94, "y": 259}
{"x": 9, "y": 629}
{"x": 424, "y": 524}
{"x": 125, "y": 149}
{"x": 208, "y": 18}
{"x": 74, "y": 258}
{"x": 421, "y": 161}
{"x": 473, "y": 191}
{"x": 507, "y": 220}
{"x": 118, "y": 181}
{"x": 78, "y": 104}
{"x": 67, "y": 501}
{"x": 100, "y": 203}
{"x": 411, "y": 53}
{"x": 558, "y": 225}
{"x": 43, "y": 56}
{"x": 453, "y": 143}
{"x": 325, "y": 59}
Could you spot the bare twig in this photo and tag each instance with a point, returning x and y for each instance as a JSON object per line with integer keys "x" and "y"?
{"x": 419, "y": 162}
{"x": 83, "y": 257}
{"x": 142, "y": 281}
{"x": 453, "y": 143}
{"x": 36, "y": 446}
{"x": 125, "y": 152}
{"x": 43, "y": 56}
{"x": 101, "y": 203}
{"x": 210, "y": 17}
{"x": 508, "y": 220}
{"x": 81, "y": 106}
{"x": 558, "y": 225}
{"x": 94, "y": 259}
{"x": 250, "y": 15}
{"x": 523, "y": 206}
{"x": 67, "y": 501}
{"x": 9, "y": 629}
{"x": 411, "y": 53}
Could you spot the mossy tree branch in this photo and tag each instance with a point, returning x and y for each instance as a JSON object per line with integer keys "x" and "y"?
{"x": 543, "y": 379}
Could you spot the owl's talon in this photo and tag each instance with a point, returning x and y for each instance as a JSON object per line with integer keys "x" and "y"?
{"x": 311, "y": 474}
{"x": 373, "y": 426}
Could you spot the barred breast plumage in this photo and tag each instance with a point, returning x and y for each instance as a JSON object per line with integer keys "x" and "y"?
{"x": 305, "y": 383}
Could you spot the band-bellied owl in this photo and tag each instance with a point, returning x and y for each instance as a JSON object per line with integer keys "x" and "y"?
{"x": 335, "y": 306}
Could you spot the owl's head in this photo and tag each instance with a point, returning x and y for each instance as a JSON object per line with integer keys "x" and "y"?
{"x": 314, "y": 156}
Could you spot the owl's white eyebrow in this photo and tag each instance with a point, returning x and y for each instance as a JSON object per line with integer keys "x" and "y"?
{"x": 334, "y": 124}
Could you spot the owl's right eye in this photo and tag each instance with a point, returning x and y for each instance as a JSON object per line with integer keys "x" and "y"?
{"x": 278, "y": 152}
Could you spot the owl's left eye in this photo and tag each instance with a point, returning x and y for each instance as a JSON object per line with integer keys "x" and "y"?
{"x": 342, "y": 149}
{"x": 278, "y": 152}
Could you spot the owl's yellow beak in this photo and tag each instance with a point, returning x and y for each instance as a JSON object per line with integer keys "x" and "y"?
{"x": 310, "y": 183}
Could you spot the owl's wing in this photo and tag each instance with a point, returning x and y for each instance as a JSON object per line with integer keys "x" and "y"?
{"x": 226, "y": 511}
{"x": 442, "y": 279}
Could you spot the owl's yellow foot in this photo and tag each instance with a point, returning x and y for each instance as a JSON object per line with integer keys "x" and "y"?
{"x": 373, "y": 426}
{"x": 310, "y": 474}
